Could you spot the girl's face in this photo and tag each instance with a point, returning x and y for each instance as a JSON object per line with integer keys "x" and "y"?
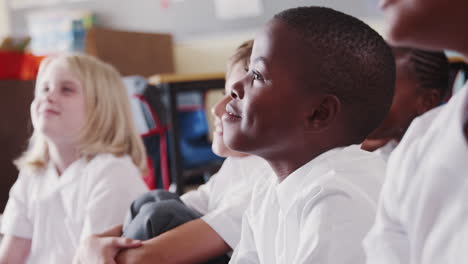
{"x": 237, "y": 72}
{"x": 406, "y": 105}
{"x": 58, "y": 109}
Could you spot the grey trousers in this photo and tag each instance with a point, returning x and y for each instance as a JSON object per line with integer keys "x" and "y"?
{"x": 159, "y": 211}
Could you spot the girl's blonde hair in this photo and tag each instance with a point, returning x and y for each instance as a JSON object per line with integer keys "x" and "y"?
{"x": 109, "y": 127}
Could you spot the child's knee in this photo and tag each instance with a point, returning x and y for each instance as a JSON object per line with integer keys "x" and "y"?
{"x": 156, "y": 218}
{"x": 151, "y": 197}
{"x": 160, "y": 209}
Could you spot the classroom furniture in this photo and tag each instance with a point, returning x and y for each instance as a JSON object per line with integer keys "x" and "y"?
{"x": 15, "y": 129}
{"x": 132, "y": 53}
{"x": 172, "y": 85}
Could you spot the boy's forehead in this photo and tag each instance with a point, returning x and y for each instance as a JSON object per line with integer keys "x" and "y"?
{"x": 278, "y": 43}
{"x": 277, "y": 35}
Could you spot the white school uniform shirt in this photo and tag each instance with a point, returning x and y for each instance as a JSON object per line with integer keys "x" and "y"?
{"x": 57, "y": 212}
{"x": 387, "y": 149}
{"x": 318, "y": 214}
{"x": 423, "y": 210}
{"x": 225, "y": 197}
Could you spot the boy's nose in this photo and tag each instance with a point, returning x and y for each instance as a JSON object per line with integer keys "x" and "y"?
{"x": 237, "y": 90}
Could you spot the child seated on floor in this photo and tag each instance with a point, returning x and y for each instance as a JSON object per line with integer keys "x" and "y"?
{"x": 319, "y": 81}
{"x": 83, "y": 167}
{"x": 422, "y": 83}
{"x": 213, "y": 211}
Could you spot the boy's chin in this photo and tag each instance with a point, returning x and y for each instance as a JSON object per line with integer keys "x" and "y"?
{"x": 235, "y": 142}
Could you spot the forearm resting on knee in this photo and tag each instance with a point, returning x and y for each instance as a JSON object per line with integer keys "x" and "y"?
{"x": 192, "y": 242}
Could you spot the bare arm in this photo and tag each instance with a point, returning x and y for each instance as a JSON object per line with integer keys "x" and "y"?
{"x": 192, "y": 242}
{"x": 102, "y": 248}
{"x": 14, "y": 250}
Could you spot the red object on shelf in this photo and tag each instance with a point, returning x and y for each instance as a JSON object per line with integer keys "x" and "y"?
{"x": 161, "y": 131}
{"x": 18, "y": 65}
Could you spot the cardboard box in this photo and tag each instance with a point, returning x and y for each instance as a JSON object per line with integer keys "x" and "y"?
{"x": 132, "y": 53}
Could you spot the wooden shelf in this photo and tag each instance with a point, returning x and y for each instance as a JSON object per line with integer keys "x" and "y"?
{"x": 180, "y": 78}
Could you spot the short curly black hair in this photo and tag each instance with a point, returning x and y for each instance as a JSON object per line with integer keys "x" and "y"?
{"x": 356, "y": 64}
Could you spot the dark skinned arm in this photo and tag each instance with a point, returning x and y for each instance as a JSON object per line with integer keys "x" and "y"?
{"x": 192, "y": 242}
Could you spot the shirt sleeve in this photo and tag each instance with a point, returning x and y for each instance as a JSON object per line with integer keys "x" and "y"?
{"x": 226, "y": 220}
{"x": 113, "y": 188}
{"x": 201, "y": 198}
{"x": 245, "y": 252}
{"x": 16, "y": 220}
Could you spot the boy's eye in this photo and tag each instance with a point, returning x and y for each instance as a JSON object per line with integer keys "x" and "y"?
{"x": 257, "y": 76}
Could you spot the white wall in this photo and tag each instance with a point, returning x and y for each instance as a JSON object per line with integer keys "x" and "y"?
{"x": 209, "y": 54}
{"x": 184, "y": 19}
{"x": 4, "y": 19}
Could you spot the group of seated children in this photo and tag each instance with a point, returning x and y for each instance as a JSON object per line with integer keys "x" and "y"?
{"x": 305, "y": 104}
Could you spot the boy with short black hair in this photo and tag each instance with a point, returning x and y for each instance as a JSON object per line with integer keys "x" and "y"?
{"x": 319, "y": 81}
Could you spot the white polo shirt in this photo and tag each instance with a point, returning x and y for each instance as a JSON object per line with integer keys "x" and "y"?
{"x": 387, "y": 149}
{"x": 225, "y": 197}
{"x": 318, "y": 214}
{"x": 57, "y": 212}
{"x": 423, "y": 210}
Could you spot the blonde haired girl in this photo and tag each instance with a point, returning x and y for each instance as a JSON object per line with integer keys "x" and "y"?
{"x": 83, "y": 167}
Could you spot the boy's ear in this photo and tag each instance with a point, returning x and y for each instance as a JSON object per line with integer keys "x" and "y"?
{"x": 322, "y": 116}
{"x": 430, "y": 99}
